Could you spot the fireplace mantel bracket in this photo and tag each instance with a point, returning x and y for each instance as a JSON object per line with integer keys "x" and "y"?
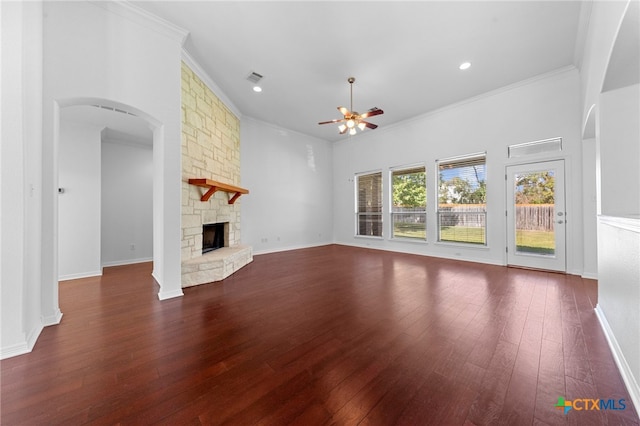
{"x": 213, "y": 186}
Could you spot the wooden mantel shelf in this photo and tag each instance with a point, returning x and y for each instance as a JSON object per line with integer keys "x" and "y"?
{"x": 214, "y": 186}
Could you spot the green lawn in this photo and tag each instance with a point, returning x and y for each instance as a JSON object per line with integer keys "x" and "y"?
{"x": 410, "y": 230}
{"x": 462, "y": 234}
{"x": 538, "y": 242}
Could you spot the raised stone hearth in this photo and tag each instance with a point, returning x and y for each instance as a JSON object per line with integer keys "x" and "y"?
{"x": 216, "y": 265}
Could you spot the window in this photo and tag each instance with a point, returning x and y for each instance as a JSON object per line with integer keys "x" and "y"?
{"x": 462, "y": 191}
{"x": 369, "y": 204}
{"x": 409, "y": 203}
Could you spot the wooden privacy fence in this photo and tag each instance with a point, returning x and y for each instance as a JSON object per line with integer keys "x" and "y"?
{"x": 535, "y": 217}
{"x": 469, "y": 215}
{"x": 530, "y": 217}
{"x": 409, "y": 214}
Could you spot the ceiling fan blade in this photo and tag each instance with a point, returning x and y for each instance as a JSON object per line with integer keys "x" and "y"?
{"x": 344, "y": 111}
{"x": 372, "y": 112}
{"x": 337, "y": 120}
{"x": 369, "y": 125}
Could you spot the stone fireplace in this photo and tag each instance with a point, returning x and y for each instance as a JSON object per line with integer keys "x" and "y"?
{"x": 211, "y": 151}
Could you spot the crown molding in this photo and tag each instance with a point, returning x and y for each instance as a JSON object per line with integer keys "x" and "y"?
{"x": 146, "y": 19}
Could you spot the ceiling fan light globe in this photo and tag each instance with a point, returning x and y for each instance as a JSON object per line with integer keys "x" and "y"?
{"x": 361, "y": 126}
{"x": 350, "y": 123}
{"x": 352, "y": 131}
{"x": 342, "y": 128}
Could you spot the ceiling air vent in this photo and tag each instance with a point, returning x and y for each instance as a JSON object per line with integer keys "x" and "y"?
{"x": 537, "y": 147}
{"x": 109, "y": 108}
{"x": 254, "y": 77}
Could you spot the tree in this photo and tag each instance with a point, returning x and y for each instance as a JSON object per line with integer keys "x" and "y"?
{"x": 535, "y": 188}
{"x": 461, "y": 190}
{"x": 410, "y": 189}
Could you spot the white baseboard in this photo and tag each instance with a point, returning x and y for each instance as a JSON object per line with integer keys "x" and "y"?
{"x": 23, "y": 347}
{"x": 80, "y": 275}
{"x": 590, "y": 275}
{"x": 52, "y": 319}
{"x": 625, "y": 371}
{"x": 164, "y": 295}
{"x": 14, "y": 350}
{"x": 33, "y": 336}
{"x": 127, "y": 262}
{"x": 288, "y": 248}
{"x": 427, "y": 254}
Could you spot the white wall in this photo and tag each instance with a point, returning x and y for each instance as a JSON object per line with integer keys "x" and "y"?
{"x": 620, "y": 151}
{"x": 76, "y": 53}
{"x": 618, "y": 273}
{"x": 590, "y": 210}
{"x": 619, "y": 230}
{"x": 535, "y": 110}
{"x": 127, "y": 202}
{"x": 619, "y": 294}
{"x": 106, "y": 51}
{"x": 21, "y": 158}
{"x": 289, "y": 176}
{"x": 79, "y": 205}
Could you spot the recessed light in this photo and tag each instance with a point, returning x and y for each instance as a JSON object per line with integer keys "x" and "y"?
{"x": 465, "y": 65}
{"x": 257, "y": 89}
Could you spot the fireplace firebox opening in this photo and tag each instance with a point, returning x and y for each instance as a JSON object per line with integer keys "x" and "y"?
{"x": 213, "y": 236}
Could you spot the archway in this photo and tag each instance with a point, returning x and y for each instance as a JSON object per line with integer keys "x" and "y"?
{"x": 105, "y": 190}
{"x": 50, "y": 292}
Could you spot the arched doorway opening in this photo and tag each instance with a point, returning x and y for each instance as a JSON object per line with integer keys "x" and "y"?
{"x": 105, "y": 189}
{"x": 50, "y": 291}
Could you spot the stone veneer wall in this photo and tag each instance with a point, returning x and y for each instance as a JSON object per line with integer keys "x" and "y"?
{"x": 210, "y": 149}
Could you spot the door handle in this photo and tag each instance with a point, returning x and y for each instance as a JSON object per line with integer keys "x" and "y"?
{"x": 559, "y": 221}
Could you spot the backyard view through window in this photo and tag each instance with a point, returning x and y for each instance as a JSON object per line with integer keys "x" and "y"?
{"x": 462, "y": 192}
{"x": 535, "y": 211}
{"x": 409, "y": 203}
{"x": 369, "y": 204}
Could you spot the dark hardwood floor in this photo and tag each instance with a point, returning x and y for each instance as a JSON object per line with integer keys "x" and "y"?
{"x": 327, "y": 335}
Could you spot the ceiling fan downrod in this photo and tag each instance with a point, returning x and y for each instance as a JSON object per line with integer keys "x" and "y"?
{"x": 351, "y": 80}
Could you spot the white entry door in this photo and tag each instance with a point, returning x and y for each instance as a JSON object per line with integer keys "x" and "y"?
{"x": 536, "y": 216}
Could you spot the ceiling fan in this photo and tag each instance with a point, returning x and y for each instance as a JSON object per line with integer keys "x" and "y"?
{"x": 352, "y": 119}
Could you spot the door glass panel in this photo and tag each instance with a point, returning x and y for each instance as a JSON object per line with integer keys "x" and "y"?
{"x": 535, "y": 213}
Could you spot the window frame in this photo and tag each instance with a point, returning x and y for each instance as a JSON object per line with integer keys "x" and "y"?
{"x": 460, "y": 161}
{"x": 358, "y": 213}
{"x": 398, "y": 170}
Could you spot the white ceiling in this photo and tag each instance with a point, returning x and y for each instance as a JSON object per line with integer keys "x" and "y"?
{"x": 404, "y": 55}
